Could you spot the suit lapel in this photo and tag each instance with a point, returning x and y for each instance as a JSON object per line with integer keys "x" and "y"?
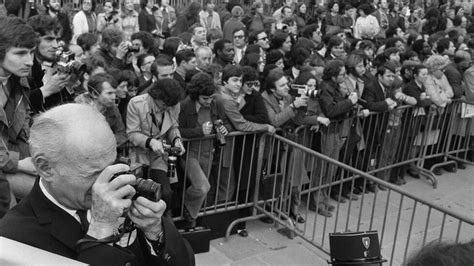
{"x": 63, "y": 226}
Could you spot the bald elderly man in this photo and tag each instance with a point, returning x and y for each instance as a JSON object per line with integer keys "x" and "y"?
{"x": 74, "y": 208}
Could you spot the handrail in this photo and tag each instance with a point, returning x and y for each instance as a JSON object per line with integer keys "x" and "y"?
{"x": 374, "y": 179}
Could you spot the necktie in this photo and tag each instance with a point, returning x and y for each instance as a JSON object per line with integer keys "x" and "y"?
{"x": 83, "y": 217}
{"x": 165, "y": 20}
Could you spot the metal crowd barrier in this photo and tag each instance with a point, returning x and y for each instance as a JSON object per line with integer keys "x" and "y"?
{"x": 270, "y": 173}
{"x": 461, "y": 132}
{"x": 405, "y": 222}
{"x": 231, "y": 171}
{"x": 388, "y": 144}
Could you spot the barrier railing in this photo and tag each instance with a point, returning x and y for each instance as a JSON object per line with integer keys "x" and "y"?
{"x": 231, "y": 171}
{"x": 404, "y": 221}
{"x": 461, "y": 131}
{"x": 281, "y": 178}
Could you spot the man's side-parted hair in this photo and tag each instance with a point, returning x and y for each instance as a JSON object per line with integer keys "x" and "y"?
{"x": 44, "y": 24}
{"x": 201, "y": 84}
{"x": 184, "y": 55}
{"x": 167, "y": 90}
{"x": 95, "y": 83}
{"x": 231, "y": 71}
{"x": 333, "y": 68}
{"x": 273, "y": 76}
{"x": 87, "y": 40}
{"x": 14, "y": 32}
{"x": 161, "y": 60}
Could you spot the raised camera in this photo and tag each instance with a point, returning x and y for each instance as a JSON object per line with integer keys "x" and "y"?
{"x": 144, "y": 187}
{"x": 302, "y": 90}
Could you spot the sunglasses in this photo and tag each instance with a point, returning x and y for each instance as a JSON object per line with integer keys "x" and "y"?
{"x": 255, "y": 83}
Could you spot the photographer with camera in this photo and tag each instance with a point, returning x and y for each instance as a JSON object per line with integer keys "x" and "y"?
{"x": 197, "y": 119}
{"x": 46, "y": 82}
{"x": 113, "y": 50}
{"x": 76, "y": 207}
{"x": 16, "y": 59}
{"x": 152, "y": 121}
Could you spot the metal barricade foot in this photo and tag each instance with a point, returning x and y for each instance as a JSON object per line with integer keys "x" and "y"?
{"x": 429, "y": 175}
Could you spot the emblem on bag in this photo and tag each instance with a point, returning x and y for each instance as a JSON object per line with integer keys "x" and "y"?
{"x": 366, "y": 242}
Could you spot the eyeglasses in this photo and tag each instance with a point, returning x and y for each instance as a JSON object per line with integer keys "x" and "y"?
{"x": 263, "y": 38}
{"x": 255, "y": 83}
{"x": 239, "y": 36}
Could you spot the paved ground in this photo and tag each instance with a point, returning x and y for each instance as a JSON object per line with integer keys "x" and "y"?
{"x": 266, "y": 246}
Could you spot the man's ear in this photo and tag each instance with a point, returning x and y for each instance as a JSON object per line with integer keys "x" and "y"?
{"x": 43, "y": 166}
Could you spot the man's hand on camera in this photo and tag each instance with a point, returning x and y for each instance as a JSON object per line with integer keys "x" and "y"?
{"x": 122, "y": 50}
{"x": 110, "y": 200}
{"x": 179, "y": 144}
{"x": 55, "y": 84}
{"x": 157, "y": 146}
{"x": 300, "y": 101}
{"x": 223, "y": 130}
{"x": 146, "y": 215}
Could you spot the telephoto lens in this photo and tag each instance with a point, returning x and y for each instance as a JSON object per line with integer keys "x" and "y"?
{"x": 220, "y": 138}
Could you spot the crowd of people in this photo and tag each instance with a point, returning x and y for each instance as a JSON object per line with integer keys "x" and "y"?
{"x": 159, "y": 74}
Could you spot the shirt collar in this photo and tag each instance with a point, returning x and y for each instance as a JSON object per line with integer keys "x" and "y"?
{"x": 55, "y": 202}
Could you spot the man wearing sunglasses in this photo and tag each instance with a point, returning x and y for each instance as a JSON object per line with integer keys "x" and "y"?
{"x": 261, "y": 39}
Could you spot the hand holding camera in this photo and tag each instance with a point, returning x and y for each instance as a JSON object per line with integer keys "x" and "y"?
{"x": 301, "y": 101}
{"x": 55, "y": 84}
{"x": 157, "y": 146}
{"x": 146, "y": 215}
{"x": 111, "y": 198}
{"x": 221, "y": 131}
{"x": 122, "y": 50}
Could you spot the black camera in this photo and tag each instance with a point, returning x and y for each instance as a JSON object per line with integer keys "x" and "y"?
{"x": 144, "y": 187}
{"x": 133, "y": 49}
{"x": 220, "y": 138}
{"x": 67, "y": 64}
{"x": 302, "y": 90}
{"x": 173, "y": 154}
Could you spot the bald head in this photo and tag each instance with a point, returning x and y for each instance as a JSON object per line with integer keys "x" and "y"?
{"x": 72, "y": 132}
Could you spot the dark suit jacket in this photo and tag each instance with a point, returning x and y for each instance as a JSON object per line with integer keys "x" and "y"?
{"x": 411, "y": 89}
{"x": 254, "y": 109}
{"x": 38, "y": 222}
{"x": 146, "y": 22}
{"x": 374, "y": 97}
{"x": 455, "y": 80}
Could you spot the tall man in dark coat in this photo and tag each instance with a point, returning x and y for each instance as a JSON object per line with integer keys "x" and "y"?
{"x": 16, "y": 59}
{"x": 75, "y": 207}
